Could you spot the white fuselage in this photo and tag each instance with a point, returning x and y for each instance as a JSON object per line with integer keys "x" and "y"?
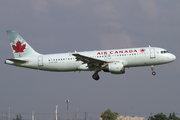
{"x": 133, "y": 57}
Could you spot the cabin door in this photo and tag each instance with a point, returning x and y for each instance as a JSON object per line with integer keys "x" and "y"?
{"x": 152, "y": 53}
{"x": 40, "y": 61}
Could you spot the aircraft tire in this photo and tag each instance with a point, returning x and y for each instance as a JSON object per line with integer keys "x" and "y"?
{"x": 95, "y": 76}
{"x": 153, "y": 73}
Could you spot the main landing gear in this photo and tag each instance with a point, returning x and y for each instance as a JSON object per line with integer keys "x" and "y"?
{"x": 153, "y": 72}
{"x": 95, "y": 76}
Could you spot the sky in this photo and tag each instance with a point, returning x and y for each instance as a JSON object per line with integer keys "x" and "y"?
{"x": 58, "y": 26}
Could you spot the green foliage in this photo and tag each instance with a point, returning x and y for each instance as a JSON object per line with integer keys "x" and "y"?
{"x": 172, "y": 116}
{"x": 109, "y": 115}
{"x": 151, "y": 118}
{"x": 161, "y": 116}
{"x": 18, "y": 117}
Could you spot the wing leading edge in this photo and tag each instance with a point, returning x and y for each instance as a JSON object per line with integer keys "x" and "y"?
{"x": 89, "y": 60}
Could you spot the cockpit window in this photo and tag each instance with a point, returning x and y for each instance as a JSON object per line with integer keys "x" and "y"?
{"x": 162, "y": 52}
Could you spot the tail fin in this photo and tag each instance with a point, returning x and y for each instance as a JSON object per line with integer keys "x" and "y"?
{"x": 19, "y": 46}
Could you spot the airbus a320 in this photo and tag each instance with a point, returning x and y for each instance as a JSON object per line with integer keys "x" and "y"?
{"x": 113, "y": 61}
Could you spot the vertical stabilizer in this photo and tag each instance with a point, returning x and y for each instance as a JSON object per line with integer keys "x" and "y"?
{"x": 19, "y": 46}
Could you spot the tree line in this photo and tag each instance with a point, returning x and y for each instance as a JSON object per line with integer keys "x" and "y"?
{"x": 161, "y": 116}
{"x": 18, "y": 117}
{"x": 109, "y": 115}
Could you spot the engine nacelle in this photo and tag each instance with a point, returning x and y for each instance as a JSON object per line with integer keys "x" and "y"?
{"x": 114, "y": 68}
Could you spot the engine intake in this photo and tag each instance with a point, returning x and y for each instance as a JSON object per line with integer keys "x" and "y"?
{"x": 114, "y": 68}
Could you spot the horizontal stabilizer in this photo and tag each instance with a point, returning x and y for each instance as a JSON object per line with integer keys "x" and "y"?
{"x": 16, "y": 61}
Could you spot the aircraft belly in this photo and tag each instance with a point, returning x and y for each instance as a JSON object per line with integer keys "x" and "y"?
{"x": 67, "y": 67}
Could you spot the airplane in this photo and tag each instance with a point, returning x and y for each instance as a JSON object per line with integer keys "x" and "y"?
{"x": 113, "y": 61}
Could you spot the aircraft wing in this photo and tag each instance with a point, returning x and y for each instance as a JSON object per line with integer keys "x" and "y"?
{"x": 88, "y": 60}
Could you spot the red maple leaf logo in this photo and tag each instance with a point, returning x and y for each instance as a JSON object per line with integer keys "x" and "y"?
{"x": 142, "y": 50}
{"x": 19, "y": 47}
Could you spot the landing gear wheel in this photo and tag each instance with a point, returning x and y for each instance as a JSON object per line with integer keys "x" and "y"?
{"x": 152, "y": 68}
{"x": 95, "y": 76}
{"x": 153, "y": 73}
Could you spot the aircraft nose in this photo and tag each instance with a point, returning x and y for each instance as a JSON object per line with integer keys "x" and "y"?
{"x": 173, "y": 57}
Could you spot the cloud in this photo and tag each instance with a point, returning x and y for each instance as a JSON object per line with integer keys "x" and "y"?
{"x": 116, "y": 25}
{"x": 149, "y": 6}
{"x": 106, "y": 10}
{"x": 69, "y": 3}
{"x": 40, "y": 5}
{"x": 112, "y": 41}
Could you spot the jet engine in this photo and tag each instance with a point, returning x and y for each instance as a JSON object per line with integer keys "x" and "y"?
{"x": 114, "y": 68}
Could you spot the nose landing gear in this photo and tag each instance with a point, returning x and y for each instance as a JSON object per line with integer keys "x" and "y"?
{"x": 153, "y": 72}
